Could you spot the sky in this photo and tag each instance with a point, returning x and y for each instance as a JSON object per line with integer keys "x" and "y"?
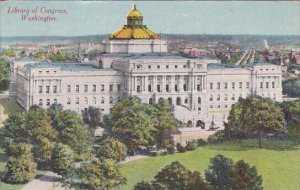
{"x": 172, "y": 17}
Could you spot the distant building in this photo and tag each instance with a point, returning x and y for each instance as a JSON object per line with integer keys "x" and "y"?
{"x": 135, "y": 62}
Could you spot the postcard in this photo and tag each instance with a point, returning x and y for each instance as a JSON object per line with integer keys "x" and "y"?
{"x": 149, "y": 95}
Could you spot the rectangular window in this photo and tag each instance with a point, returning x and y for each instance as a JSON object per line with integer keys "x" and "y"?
{"x": 102, "y": 87}
{"x": 40, "y": 89}
{"x": 185, "y": 87}
{"x": 198, "y": 87}
{"x": 119, "y": 87}
{"x": 94, "y": 88}
{"x": 273, "y": 84}
{"x": 247, "y": 85}
{"x": 85, "y": 88}
{"x": 225, "y": 85}
{"x": 54, "y": 89}
{"x": 176, "y": 66}
{"x": 233, "y": 85}
{"x": 77, "y": 88}
{"x": 176, "y": 87}
{"x": 218, "y": 85}
{"x": 261, "y": 84}
{"x": 149, "y": 88}
{"x": 167, "y": 88}
{"x": 69, "y": 88}
{"x": 158, "y": 88}
{"x": 138, "y": 88}
{"x": 111, "y": 87}
{"x": 267, "y": 84}
{"x": 167, "y": 66}
{"x": 211, "y": 85}
{"x": 240, "y": 85}
{"x": 47, "y": 89}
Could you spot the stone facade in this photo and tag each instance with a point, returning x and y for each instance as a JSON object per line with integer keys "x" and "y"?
{"x": 201, "y": 91}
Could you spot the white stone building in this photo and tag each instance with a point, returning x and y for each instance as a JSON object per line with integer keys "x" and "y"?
{"x": 135, "y": 62}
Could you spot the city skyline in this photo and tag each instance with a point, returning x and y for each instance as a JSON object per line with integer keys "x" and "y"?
{"x": 209, "y": 17}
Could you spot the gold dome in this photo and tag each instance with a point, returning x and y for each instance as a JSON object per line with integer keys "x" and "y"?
{"x": 134, "y": 29}
{"x": 134, "y": 12}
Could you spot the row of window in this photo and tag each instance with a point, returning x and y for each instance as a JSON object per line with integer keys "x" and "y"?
{"x": 226, "y": 85}
{"x": 77, "y": 101}
{"x": 218, "y": 97}
{"x": 77, "y": 88}
{"x": 267, "y": 85}
{"x": 166, "y": 66}
{"x": 47, "y": 72}
{"x": 167, "y": 88}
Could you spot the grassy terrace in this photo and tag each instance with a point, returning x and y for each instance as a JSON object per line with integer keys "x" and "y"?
{"x": 10, "y": 106}
{"x": 278, "y": 162}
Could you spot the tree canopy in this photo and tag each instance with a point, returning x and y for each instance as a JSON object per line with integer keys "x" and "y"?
{"x": 254, "y": 116}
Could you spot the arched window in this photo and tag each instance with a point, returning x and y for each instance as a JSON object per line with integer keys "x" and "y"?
{"x": 225, "y": 97}
{"x": 86, "y": 101}
{"x": 170, "y": 100}
{"x": 150, "y": 101}
{"x": 160, "y": 99}
{"x": 41, "y": 102}
{"x": 77, "y": 100}
{"x": 69, "y": 101}
{"x": 178, "y": 101}
{"x": 218, "y": 97}
{"x": 48, "y": 102}
{"x": 186, "y": 101}
{"x": 55, "y": 101}
{"x": 211, "y": 98}
{"x": 199, "y": 100}
{"x": 111, "y": 100}
{"x": 94, "y": 100}
{"x": 233, "y": 97}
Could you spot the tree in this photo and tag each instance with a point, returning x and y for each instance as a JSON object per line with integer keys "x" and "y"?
{"x": 131, "y": 124}
{"x": 14, "y": 130}
{"x": 245, "y": 177}
{"x": 92, "y": 117}
{"x": 62, "y": 160}
{"x": 41, "y": 134}
{"x": 148, "y": 186}
{"x": 291, "y": 111}
{"x": 96, "y": 175}
{"x": 4, "y": 80}
{"x": 255, "y": 115}
{"x": 53, "y": 110}
{"x": 10, "y": 52}
{"x": 291, "y": 87}
{"x": 165, "y": 124}
{"x": 59, "y": 56}
{"x": 111, "y": 148}
{"x": 218, "y": 173}
{"x": 71, "y": 131}
{"x": 176, "y": 177}
{"x": 20, "y": 167}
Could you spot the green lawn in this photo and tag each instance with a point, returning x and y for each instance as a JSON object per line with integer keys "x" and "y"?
{"x": 10, "y": 106}
{"x": 278, "y": 163}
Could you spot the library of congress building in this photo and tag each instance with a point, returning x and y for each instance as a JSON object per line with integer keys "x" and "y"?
{"x": 135, "y": 62}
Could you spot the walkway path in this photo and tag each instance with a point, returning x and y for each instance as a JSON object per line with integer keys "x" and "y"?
{"x": 51, "y": 181}
{"x": 48, "y": 181}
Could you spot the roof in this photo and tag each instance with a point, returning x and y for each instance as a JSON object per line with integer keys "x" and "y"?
{"x": 134, "y": 12}
{"x": 140, "y": 32}
{"x": 229, "y": 66}
{"x": 66, "y": 66}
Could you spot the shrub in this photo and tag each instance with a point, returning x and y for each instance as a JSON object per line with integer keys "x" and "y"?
{"x": 201, "y": 142}
{"x": 180, "y": 148}
{"x": 218, "y": 137}
{"x": 191, "y": 145}
{"x": 171, "y": 150}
